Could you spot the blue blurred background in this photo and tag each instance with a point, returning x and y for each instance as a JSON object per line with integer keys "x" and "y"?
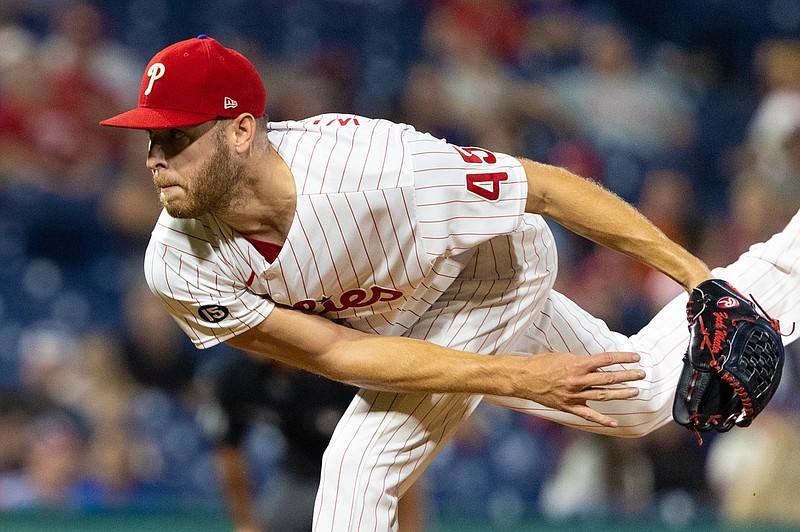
{"x": 688, "y": 108}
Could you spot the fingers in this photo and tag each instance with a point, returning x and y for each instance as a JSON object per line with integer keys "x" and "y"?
{"x": 576, "y": 380}
{"x": 607, "y": 394}
{"x": 601, "y": 360}
{"x": 596, "y": 376}
{"x": 607, "y": 378}
{"x": 599, "y": 394}
{"x": 594, "y": 416}
{"x": 593, "y": 385}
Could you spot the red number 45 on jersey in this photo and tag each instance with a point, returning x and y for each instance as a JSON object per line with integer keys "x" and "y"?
{"x": 486, "y": 184}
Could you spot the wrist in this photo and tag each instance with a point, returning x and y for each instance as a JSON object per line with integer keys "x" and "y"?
{"x": 698, "y": 272}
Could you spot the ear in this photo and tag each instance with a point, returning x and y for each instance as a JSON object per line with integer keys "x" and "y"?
{"x": 243, "y": 133}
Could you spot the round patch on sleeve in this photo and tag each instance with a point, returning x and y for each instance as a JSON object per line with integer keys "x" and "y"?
{"x": 213, "y": 313}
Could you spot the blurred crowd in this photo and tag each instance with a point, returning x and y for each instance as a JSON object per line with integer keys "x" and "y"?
{"x": 688, "y": 108}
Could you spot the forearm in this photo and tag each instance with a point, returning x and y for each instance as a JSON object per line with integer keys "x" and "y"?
{"x": 402, "y": 364}
{"x": 407, "y": 365}
{"x": 386, "y": 363}
{"x": 558, "y": 380}
{"x": 599, "y": 215}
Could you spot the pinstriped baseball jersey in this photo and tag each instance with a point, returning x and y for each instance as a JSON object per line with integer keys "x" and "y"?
{"x": 395, "y": 232}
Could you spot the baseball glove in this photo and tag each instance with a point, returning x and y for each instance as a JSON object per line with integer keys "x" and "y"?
{"x": 733, "y": 364}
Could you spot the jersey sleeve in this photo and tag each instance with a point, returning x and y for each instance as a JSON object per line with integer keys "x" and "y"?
{"x": 202, "y": 282}
{"x": 464, "y": 195}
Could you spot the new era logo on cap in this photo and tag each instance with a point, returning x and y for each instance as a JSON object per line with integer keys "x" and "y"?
{"x": 191, "y": 82}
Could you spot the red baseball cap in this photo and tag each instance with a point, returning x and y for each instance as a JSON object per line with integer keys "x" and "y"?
{"x": 191, "y": 82}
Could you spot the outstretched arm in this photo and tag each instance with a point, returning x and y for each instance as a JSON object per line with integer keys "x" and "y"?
{"x": 563, "y": 381}
{"x": 593, "y": 212}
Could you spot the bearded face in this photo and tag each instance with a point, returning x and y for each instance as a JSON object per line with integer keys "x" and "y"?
{"x": 211, "y": 189}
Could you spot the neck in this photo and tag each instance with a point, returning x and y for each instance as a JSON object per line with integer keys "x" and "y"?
{"x": 264, "y": 208}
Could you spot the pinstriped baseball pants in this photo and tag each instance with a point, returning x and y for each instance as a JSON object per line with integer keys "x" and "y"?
{"x": 385, "y": 440}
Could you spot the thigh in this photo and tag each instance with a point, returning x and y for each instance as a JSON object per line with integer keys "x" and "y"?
{"x": 563, "y": 326}
{"x": 381, "y": 445}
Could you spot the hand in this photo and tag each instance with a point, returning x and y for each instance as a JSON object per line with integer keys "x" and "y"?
{"x": 566, "y": 381}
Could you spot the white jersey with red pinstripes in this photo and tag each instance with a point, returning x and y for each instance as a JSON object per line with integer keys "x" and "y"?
{"x": 395, "y": 232}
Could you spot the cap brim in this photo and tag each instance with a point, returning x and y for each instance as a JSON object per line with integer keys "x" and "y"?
{"x": 150, "y": 118}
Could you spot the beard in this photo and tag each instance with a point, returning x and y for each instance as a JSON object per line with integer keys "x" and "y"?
{"x": 214, "y": 187}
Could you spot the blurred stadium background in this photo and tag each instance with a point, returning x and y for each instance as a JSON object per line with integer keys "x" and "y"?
{"x": 688, "y": 108}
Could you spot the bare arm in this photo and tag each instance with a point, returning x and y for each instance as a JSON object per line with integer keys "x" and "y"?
{"x": 593, "y": 212}
{"x": 559, "y": 380}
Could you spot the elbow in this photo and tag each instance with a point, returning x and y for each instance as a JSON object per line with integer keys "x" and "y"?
{"x": 540, "y": 176}
{"x": 539, "y": 202}
{"x": 344, "y": 361}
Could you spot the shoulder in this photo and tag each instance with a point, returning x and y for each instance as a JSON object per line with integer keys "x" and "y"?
{"x": 202, "y": 271}
{"x": 337, "y": 153}
{"x": 327, "y": 120}
{"x": 341, "y": 126}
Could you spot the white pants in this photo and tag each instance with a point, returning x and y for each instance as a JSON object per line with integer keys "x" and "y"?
{"x": 385, "y": 440}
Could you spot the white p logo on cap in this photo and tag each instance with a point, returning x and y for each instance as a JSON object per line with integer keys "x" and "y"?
{"x": 155, "y": 71}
